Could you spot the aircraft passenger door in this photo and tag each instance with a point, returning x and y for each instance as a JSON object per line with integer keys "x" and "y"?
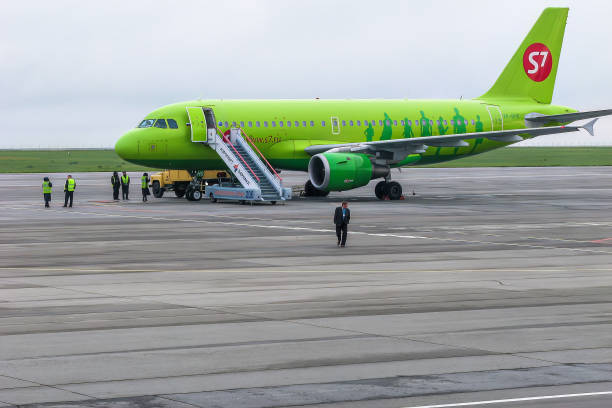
{"x": 497, "y": 119}
{"x": 211, "y": 125}
{"x": 335, "y": 125}
{"x": 197, "y": 123}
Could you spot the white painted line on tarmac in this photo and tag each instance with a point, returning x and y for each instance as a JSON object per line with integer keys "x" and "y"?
{"x": 327, "y": 230}
{"x": 502, "y": 401}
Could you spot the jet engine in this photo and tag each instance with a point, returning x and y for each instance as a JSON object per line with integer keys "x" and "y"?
{"x": 343, "y": 171}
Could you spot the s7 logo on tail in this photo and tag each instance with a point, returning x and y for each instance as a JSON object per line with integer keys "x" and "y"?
{"x": 537, "y": 61}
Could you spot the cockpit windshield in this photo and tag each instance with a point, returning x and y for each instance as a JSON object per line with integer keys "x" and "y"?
{"x": 146, "y": 123}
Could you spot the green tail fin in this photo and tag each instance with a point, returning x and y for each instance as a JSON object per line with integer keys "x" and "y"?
{"x": 532, "y": 70}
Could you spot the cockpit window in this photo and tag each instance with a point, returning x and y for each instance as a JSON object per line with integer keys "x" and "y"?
{"x": 146, "y": 123}
{"x": 160, "y": 123}
{"x": 172, "y": 124}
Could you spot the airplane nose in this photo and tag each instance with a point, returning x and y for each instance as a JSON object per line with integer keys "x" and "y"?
{"x": 126, "y": 146}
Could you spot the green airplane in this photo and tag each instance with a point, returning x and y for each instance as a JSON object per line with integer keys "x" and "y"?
{"x": 344, "y": 144}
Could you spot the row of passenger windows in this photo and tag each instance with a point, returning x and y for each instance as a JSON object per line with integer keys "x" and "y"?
{"x": 159, "y": 123}
{"x": 171, "y": 123}
{"x": 311, "y": 123}
{"x": 273, "y": 123}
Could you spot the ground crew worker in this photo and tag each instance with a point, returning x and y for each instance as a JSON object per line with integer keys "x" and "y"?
{"x": 116, "y": 183}
{"x": 69, "y": 190}
{"x": 145, "y": 186}
{"x": 46, "y": 187}
{"x": 125, "y": 186}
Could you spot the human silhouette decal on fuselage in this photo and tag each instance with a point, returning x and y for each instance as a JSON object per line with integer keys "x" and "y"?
{"x": 442, "y": 131}
{"x": 478, "y": 128}
{"x": 387, "y": 131}
{"x": 459, "y": 126}
{"x": 369, "y": 132}
{"x": 425, "y": 125}
{"x": 408, "y": 133}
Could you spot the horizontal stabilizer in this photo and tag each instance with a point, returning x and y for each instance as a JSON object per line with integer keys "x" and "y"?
{"x": 589, "y": 126}
{"x": 566, "y": 117}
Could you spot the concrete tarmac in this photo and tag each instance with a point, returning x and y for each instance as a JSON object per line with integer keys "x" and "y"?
{"x": 485, "y": 285}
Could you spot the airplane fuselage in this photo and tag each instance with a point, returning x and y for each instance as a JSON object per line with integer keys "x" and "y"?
{"x": 282, "y": 129}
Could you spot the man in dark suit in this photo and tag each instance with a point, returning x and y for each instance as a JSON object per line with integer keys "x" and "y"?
{"x": 342, "y": 217}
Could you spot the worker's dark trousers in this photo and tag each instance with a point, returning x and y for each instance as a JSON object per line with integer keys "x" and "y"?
{"x": 341, "y": 233}
{"x": 68, "y": 195}
{"x": 115, "y": 193}
{"x": 47, "y": 198}
{"x": 144, "y": 194}
{"x": 125, "y": 191}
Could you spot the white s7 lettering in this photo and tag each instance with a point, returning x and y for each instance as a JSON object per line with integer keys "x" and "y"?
{"x": 533, "y": 63}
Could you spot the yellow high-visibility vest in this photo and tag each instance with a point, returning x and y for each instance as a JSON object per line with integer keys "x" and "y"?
{"x": 71, "y": 184}
{"x": 144, "y": 182}
{"x": 46, "y": 187}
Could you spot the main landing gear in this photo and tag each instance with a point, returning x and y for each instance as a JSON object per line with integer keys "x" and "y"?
{"x": 391, "y": 190}
{"x": 311, "y": 191}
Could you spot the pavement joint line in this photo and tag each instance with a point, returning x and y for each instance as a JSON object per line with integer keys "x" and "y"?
{"x": 38, "y": 384}
{"x": 194, "y": 347}
{"x": 265, "y": 269}
{"x": 166, "y": 397}
{"x": 508, "y": 400}
{"x": 288, "y": 289}
{"x": 303, "y": 323}
{"x": 398, "y": 337}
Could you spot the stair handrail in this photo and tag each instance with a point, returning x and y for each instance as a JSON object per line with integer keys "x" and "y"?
{"x": 226, "y": 139}
{"x": 260, "y": 154}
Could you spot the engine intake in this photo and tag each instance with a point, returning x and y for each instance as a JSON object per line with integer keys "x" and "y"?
{"x": 343, "y": 171}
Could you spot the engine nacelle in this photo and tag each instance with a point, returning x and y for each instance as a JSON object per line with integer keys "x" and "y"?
{"x": 343, "y": 171}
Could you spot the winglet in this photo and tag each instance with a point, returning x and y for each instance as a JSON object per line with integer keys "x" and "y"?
{"x": 589, "y": 126}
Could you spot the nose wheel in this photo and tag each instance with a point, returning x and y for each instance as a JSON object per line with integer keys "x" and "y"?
{"x": 391, "y": 190}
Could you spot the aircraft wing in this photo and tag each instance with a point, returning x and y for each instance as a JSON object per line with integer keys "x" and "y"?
{"x": 538, "y": 119}
{"x": 397, "y": 149}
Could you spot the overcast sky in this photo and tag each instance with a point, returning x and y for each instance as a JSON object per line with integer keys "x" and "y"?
{"x": 80, "y": 73}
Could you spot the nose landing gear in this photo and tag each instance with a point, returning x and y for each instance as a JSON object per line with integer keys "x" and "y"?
{"x": 391, "y": 190}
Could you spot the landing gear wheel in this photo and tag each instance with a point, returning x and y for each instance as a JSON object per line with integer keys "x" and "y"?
{"x": 188, "y": 194}
{"x": 273, "y": 202}
{"x": 212, "y": 198}
{"x": 379, "y": 190}
{"x": 158, "y": 192}
{"x": 196, "y": 195}
{"x": 312, "y": 191}
{"x": 393, "y": 190}
{"x": 309, "y": 189}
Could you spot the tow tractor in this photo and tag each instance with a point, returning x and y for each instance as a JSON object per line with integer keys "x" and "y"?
{"x": 202, "y": 180}
{"x": 184, "y": 183}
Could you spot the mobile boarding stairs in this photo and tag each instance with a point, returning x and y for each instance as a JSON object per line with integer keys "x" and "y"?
{"x": 258, "y": 179}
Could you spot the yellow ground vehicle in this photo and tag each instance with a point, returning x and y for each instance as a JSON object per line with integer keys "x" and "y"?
{"x": 180, "y": 181}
